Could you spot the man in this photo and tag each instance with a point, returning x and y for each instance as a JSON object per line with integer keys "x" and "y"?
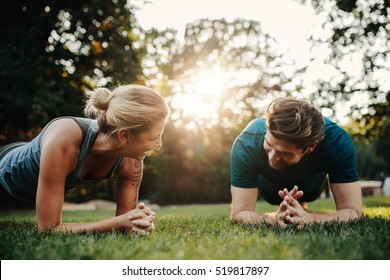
{"x": 288, "y": 157}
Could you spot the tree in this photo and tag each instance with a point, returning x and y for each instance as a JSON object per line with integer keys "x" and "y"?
{"x": 217, "y": 80}
{"x": 51, "y": 51}
{"x": 359, "y": 36}
{"x": 359, "y": 41}
{"x": 240, "y": 57}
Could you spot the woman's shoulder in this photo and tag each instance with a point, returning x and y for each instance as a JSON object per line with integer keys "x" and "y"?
{"x": 62, "y": 131}
{"x": 60, "y": 145}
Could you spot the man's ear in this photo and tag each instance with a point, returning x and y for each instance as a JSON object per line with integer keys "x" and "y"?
{"x": 311, "y": 147}
{"x": 123, "y": 135}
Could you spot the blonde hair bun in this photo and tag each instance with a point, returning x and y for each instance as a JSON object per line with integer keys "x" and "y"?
{"x": 133, "y": 107}
{"x": 99, "y": 99}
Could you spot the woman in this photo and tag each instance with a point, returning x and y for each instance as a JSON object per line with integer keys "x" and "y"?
{"x": 71, "y": 152}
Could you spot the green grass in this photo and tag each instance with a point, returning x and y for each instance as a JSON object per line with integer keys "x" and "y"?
{"x": 204, "y": 232}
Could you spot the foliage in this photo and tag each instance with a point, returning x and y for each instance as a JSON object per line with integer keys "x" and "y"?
{"x": 359, "y": 41}
{"x": 250, "y": 70}
{"x": 370, "y": 164}
{"x": 359, "y": 31}
{"x": 247, "y": 72}
{"x": 204, "y": 232}
{"x": 52, "y": 51}
{"x": 372, "y": 145}
{"x": 194, "y": 167}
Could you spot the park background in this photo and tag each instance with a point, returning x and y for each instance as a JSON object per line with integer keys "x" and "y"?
{"x": 216, "y": 73}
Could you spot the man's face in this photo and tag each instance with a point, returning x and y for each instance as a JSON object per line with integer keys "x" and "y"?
{"x": 281, "y": 153}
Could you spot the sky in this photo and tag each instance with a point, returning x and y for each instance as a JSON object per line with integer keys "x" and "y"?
{"x": 288, "y": 21}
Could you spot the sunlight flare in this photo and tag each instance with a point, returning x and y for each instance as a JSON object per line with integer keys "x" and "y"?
{"x": 200, "y": 99}
{"x": 209, "y": 84}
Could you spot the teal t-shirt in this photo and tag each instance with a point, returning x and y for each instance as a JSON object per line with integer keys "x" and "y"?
{"x": 334, "y": 156}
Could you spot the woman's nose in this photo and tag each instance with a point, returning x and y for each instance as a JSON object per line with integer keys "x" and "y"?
{"x": 158, "y": 143}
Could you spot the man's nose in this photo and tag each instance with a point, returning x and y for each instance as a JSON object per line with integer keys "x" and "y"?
{"x": 273, "y": 155}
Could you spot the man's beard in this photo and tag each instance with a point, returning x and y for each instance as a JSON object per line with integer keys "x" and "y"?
{"x": 277, "y": 166}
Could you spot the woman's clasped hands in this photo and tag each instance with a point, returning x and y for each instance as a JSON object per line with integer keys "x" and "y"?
{"x": 140, "y": 220}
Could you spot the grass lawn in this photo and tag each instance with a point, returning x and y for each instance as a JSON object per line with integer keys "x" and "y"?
{"x": 203, "y": 233}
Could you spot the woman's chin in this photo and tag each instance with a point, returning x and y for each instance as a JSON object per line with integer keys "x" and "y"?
{"x": 142, "y": 156}
{"x": 138, "y": 157}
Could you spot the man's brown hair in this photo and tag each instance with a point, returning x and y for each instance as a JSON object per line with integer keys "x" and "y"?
{"x": 296, "y": 121}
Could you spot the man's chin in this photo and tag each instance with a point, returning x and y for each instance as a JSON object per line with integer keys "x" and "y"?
{"x": 277, "y": 167}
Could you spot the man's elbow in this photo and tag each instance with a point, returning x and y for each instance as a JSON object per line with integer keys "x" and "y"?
{"x": 359, "y": 213}
{"x": 352, "y": 213}
{"x": 236, "y": 217}
{"x": 243, "y": 217}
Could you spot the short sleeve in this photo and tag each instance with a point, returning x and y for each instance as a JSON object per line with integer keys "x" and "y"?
{"x": 341, "y": 156}
{"x": 243, "y": 166}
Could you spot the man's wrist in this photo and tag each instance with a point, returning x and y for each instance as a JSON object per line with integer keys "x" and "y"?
{"x": 271, "y": 218}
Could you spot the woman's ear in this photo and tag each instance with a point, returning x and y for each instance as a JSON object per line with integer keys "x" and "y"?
{"x": 123, "y": 136}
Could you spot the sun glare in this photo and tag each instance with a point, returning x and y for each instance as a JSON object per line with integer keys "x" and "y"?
{"x": 209, "y": 84}
{"x": 200, "y": 99}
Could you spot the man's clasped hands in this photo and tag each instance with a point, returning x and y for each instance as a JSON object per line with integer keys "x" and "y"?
{"x": 290, "y": 211}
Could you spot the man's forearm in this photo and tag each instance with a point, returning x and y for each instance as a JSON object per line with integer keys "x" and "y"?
{"x": 254, "y": 218}
{"x": 342, "y": 215}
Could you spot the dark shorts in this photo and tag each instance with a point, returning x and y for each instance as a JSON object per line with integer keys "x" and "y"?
{"x": 7, "y": 201}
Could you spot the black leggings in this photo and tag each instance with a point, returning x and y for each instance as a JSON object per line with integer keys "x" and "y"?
{"x": 7, "y": 201}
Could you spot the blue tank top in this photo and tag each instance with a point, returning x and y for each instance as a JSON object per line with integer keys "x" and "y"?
{"x": 19, "y": 167}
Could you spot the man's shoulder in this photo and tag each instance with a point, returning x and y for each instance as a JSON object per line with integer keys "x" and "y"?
{"x": 337, "y": 140}
{"x": 337, "y": 153}
{"x": 332, "y": 129}
{"x": 256, "y": 127}
{"x": 251, "y": 138}
{"x": 329, "y": 123}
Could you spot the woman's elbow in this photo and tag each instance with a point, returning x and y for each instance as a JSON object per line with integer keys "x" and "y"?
{"x": 42, "y": 227}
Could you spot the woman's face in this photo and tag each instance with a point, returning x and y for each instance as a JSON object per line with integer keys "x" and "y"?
{"x": 141, "y": 145}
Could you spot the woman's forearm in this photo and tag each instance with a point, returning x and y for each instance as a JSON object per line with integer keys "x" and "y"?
{"x": 107, "y": 225}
